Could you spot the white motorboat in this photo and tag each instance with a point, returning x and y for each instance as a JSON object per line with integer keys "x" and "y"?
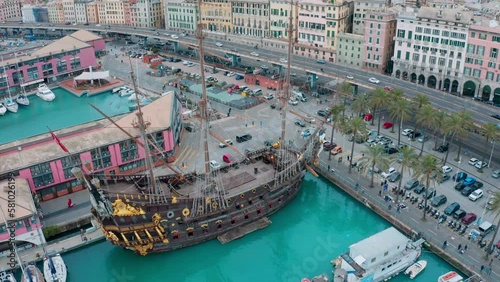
{"x": 11, "y": 105}
{"x": 7, "y": 277}
{"x": 45, "y": 93}
{"x": 136, "y": 96}
{"x": 451, "y": 276}
{"x": 118, "y": 89}
{"x": 3, "y": 109}
{"x": 142, "y": 102}
{"x": 32, "y": 274}
{"x": 126, "y": 92}
{"x": 54, "y": 269}
{"x": 23, "y": 100}
{"x": 416, "y": 268}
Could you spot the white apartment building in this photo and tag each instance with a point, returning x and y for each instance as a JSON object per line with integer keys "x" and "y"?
{"x": 250, "y": 17}
{"x": 147, "y": 13}
{"x": 81, "y": 12}
{"x": 430, "y": 47}
{"x": 360, "y": 9}
{"x": 10, "y": 9}
{"x": 69, "y": 11}
{"x": 280, "y": 11}
{"x": 181, "y": 16}
{"x": 56, "y": 12}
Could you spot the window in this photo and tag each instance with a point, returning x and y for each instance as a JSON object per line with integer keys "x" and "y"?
{"x": 416, "y": 57}
{"x": 128, "y": 150}
{"x": 477, "y": 73}
{"x": 42, "y": 175}
{"x": 473, "y": 34}
{"x": 492, "y": 65}
{"x": 493, "y": 53}
{"x": 478, "y": 62}
{"x": 482, "y": 36}
{"x": 480, "y": 50}
{"x": 441, "y": 62}
{"x": 490, "y": 76}
{"x": 61, "y": 66}
{"x": 101, "y": 158}
{"x": 401, "y": 33}
{"x": 471, "y": 48}
{"x": 432, "y": 60}
{"x": 407, "y": 56}
{"x": 32, "y": 73}
{"x": 399, "y": 54}
{"x": 68, "y": 163}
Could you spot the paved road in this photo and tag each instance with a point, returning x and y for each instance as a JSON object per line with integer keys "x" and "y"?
{"x": 481, "y": 112}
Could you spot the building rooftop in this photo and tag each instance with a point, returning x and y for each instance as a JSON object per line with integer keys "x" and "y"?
{"x": 85, "y": 36}
{"x": 380, "y": 242}
{"x": 24, "y": 206}
{"x": 449, "y": 15}
{"x": 158, "y": 114}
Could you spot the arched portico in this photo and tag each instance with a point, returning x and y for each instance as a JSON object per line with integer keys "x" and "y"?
{"x": 485, "y": 93}
{"x": 431, "y": 81}
{"x": 421, "y": 79}
{"x": 413, "y": 77}
{"x": 469, "y": 88}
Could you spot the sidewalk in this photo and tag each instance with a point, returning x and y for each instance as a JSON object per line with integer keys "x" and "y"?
{"x": 56, "y": 211}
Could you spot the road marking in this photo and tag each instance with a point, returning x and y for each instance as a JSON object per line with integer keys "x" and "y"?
{"x": 431, "y": 232}
{"x": 415, "y": 220}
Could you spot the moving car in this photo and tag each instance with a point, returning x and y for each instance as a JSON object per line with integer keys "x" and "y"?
{"x": 230, "y": 74}
{"x": 350, "y": 77}
{"x": 300, "y": 123}
{"x": 443, "y": 178}
{"x": 374, "y": 80}
{"x": 174, "y": 36}
{"x": 214, "y": 164}
{"x": 495, "y": 173}
{"x": 269, "y": 96}
{"x": 328, "y": 146}
{"x": 443, "y": 148}
{"x": 439, "y": 200}
{"x": 309, "y": 118}
{"x": 293, "y": 102}
{"x": 388, "y": 88}
{"x": 321, "y": 61}
{"x": 218, "y": 44}
{"x": 224, "y": 145}
{"x": 406, "y": 132}
{"x": 391, "y": 151}
{"x": 254, "y": 54}
{"x": 322, "y": 113}
{"x": 239, "y": 77}
{"x": 283, "y": 60}
{"x": 306, "y": 133}
{"x": 495, "y": 116}
{"x": 423, "y": 138}
{"x": 387, "y": 125}
{"x": 336, "y": 150}
{"x": 474, "y": 196}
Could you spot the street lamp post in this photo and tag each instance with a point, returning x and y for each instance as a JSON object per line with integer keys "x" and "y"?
{"x": 459, "y": 166}
{"x": 484, "y": 209}
{"x": 491, "y": 155}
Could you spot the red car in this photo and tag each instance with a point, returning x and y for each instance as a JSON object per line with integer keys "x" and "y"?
{"x": 469, "y": 218}
{"x": 387, "y": 125}
{"x": 368, "y": 117}
{"x": 388, "y": 88}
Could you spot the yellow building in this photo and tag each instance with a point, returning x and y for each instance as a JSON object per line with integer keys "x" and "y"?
{"x": 216, "y": 15}
{"x": 56, "y": 12}
{"x": 338, "y": 20}
{"x": 92, "y": 12}
{"x": 113, "y": 12}
{"x": 251, "y": 17}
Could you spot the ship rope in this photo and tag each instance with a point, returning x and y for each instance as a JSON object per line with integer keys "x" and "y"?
{"x": 210, "y": 196}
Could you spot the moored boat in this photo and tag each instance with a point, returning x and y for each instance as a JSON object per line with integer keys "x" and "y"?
{"x": 45, "y": 93}
{"x": 32, "y": 274}
{"x": 118, "y": 89}
{"x": 126, "y": 92}
{"x": 451, "y": 276}
{"x": 11, "y": 105}
{"x": 416, "y": 268}
{"x": 7, "y": 277}
{"x": 3, "y": 109}
{"x": 23, "y": 100}
{"x": 136, "y": 96}
{"x": 54, "y": 269}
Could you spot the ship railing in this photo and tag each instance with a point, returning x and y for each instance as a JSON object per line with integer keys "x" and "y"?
{"x": 359, "y": 270}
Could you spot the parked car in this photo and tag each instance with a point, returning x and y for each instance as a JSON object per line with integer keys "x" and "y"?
{"x": 467, "y": 191}
{"x": 446, "y": 169}
{"x": 443, "y": 148}
{"x": 322, "y": 113}
{"x": 368, "y": 117}
{"x": 388, "y": 173}
{"x": 214, "y": 165}
{"x": 423, "y": 138}
{"x": 394, "y": 177}
{"x": 327, "y": 146}
{"x": 496, "y": 116}
{"x": 469, "y": 218}
{"x": 269, "y": 96}
{"x": 388, "y": 88}
{"x": 419, "y": 189}
{"x": 473, "y": 161}
{"x": 495, "y": 173}
{"x": 480, "y": 165}
{"x": 239, "y": 77}
{"x": 443, "y": 178}
{"x": 477, "y": 185}
{"x": 387, "y": 125}
{"x": 306, "y": 133}
{"x": 407, "y": 132}
{"x": 469, "y": 181}
{"x": 309, "y": 118}
{"x": 391, "y": 150}
{"x": 453, "y": 207}
{"x": 439, "y": 200}
{"x": 300, "y": 123}
{"x": 412, "y": 183}
{"x": 321, "y": 61}
{"x": 431, "y": 193}
{"x": 374, "y": 80}
{"x": 459, "y": 176}
{"x": 414, "y": 135}
{"x": 459, "y": 214}
{"x": 223, "y": 145}
{"x": 477, "y": 194}
{"x": 460, "y": 186}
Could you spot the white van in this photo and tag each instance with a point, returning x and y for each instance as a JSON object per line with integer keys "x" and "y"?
{"x": 486, "y": 228}
{"x": 257, "y": 92}
{"x": 299, "y": 95}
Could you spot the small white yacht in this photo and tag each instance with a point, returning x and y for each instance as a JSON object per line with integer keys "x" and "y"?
{"x": 11, "y": 105}
{"x": 378, "y": 258}
{"x": 126, "y": 92}
{"x": 45, "y": 93}
{"x": 416, "y": 268}
{"x": 451, "y": 276}
{"x": 3, "y": 109}
{"x": 7, "y": 277}
{"x": 32, "y": 274}
{"x": 118, "y": 89}
{"x": 23, "y": 100}
{"x": 135, "y": 97}
{"x": 54, "y": 269}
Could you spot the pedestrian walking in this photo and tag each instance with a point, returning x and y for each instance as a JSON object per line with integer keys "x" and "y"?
{"x": 70, "y": 203}
{"x": 459, "y": 246}
{"x": 491, "y": 261}
{"x": 482, "y": 267}
{"x": 380, "y": 193}
{"x": 445, "y": 244}
{"x": 465, "y": 248}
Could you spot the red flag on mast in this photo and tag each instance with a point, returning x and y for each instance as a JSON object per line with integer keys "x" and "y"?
{"x": 54, "y": 137}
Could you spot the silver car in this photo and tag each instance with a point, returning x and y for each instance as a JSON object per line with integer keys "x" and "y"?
{"x": 496, "y": 173}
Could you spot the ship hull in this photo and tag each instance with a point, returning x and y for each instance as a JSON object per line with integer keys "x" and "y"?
{"x": 177, "y": 229}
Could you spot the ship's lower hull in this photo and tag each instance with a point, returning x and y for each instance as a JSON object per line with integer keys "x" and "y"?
{"x": 173, "y": 226}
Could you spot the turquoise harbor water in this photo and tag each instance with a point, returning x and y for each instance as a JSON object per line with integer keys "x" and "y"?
{"x": 304, "y": 237}
{"x": 65, "y": 111}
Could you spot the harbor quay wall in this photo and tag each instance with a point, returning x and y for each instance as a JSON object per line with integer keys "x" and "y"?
{"x": 359, "y": 194}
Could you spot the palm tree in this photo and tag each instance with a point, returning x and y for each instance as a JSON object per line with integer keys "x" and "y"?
{"x": 426, "y": 117}
{"x": 335, "y": 111}
{"x": 374, "y": 156}
{"x": 418, "y": 102}
{"x": 491, "y": 132}
{"x": 458, "y": 125}
{"x": 360, "y": 104}
{"x": 378, "y": 100}
{"x": 393, "y": 95}
{"x": 423, "y": 170}
{"x": 355, "y": 127}
{"x": 400, "y": 110}
{"x": 495, "y": 210}
{"x": 439, "y": 122}
{"x": 408, "y": 157}
{"x": 346, "y": 90}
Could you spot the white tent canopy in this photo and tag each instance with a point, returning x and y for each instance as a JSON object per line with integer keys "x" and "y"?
{"x": 93, "y": 75}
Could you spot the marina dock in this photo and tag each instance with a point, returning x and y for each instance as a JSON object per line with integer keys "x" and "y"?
{"x": 244, "y": 230}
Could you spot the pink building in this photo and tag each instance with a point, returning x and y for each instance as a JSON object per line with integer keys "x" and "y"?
{"x": 379, "y": 33}
{"x": 106, "y": 151}
{"x": 21, "y": 220}
{"x": 312, "y": 23}
{"x": 482, "y": 62}
{"x": 63, "y": 58}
